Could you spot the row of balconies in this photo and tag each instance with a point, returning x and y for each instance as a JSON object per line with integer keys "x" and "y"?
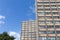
{"x": 47, "y": 7}
{"x": 48, "y": 19}
{"x": 49, "y": 24}
{"x": 49, "y": 34}
{"x": 49, "y": 29}
{"x": 48, "y": 4}
{"x": 48, "y": 15}
{"x": 48, "y": 1}
{"x": 47, "y": 10}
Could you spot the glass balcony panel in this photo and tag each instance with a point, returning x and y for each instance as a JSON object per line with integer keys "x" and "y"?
{"x": 57, "y": 26}
{"x": 58, "y": 38}
{"x": 42, "y": 38}
{"x": 49, "y": 22}
{"x": 42, "y": 32}
{"x": 42, "y": 26}
{"x": 50, "y": 26}
{"x": 51, "y": 38}
{"x": 50, "y": 32}
{"x": 58, "y": 32}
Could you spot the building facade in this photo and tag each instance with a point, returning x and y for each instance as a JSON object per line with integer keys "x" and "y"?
{"x": 28, "y": 31}
{"x": 47, "y": 24}
{"x": 48, "y": 19}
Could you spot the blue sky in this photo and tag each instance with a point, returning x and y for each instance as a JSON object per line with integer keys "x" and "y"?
{"x": 13, "y": 12}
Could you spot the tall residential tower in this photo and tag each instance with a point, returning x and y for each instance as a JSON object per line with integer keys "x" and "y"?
{"x": 47, "y": 24}
{"x": 48, "y": 19}
{"x": 28, "y": 31}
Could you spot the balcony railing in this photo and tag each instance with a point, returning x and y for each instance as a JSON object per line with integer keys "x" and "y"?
{"x": 42, "y": 29}
{"x": 50, "y": 29}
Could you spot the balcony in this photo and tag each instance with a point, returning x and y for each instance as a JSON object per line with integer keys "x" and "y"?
{"x": 48, "y": 15}
{"x": 41, "y": 19}
{"x": 54, "y": 11}
{"x": 49, "y": 19}
{"x": 42, "y": 29}
{"x": 58, "y": 29}
{"x": 43, "y": 7}
{"x": 39, "y": 11}
{"x": 42, "y": 34}
{"x": 55, "y": 14}
{"x": 51, "y": 34}
{"x": 57, "y": 24}
{"x": 47, "y": 1}
{"x": 43, "y": 11}
{"x": 50, "y": 29}
{"x": 50, "y": 24}
{"x": 40, "y": 14}
{"x": 58, "y": 35}
{"x": 41, "y": 24}
{"x": 56, "y": 19}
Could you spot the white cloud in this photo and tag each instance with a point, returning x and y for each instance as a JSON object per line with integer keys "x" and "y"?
{"x": 15, "y": 34}
{"x": 2, "y": 17}
{"x": 2, "y": 22}
{"x": 31, "y": 10}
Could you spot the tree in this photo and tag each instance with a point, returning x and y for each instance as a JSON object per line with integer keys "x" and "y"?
{"x": 5, "y": 36}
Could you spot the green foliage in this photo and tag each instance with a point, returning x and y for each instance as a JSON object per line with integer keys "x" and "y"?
{"x": 5, "y": 36}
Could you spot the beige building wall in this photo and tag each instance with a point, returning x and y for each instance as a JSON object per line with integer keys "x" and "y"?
{"x": 48, "y": 19}
{"x": 28, "y": 30}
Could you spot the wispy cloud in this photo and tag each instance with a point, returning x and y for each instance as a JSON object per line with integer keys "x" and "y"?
{"x": 2, "y": 22}
{"x": 2, "y": 19}
{"x": 31, "y": 11}
{"x": 32, "y": 8}
{"x": 15, "y": 34}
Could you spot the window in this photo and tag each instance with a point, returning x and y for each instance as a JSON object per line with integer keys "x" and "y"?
{"x": 56, "y": 17}
{"x": 42, "y": 32}
{"x": 34, "y": 35}
{"x": 50, "y": 26}
{"x": 58, "y": 32}
{"x": 57, "y": 22}
{"x": 33, "y": 38}
{"x": 48, "y": 13}
{"x": 57, "y": 26}
{"x": 55, "y": 12}
{"x": 42, "y": 26}
{"x": 41, "y": 13}
{"x": 49, "y": 17}
{"x": 49, "y": 22}
{"x": 26, "y": 33}
{"x": 42, "y": 38}
{"x": 51, "y": 32}
{"x": 41, "y": 22}
{"x": 54, "y": 9}
{"x": 40, "y": 17}
{"x": 30, "y": 35}
{"x": 25, "y": 39}
{"x": 46, "y": 5}
{"x": 42, "y": 2}
{"x": 51, "y": 38}
{"x": 47, "y": 2}
{"x": 58, "y": 38}
{"x": 40, "y": 5}
{"x": 53, "y": 5}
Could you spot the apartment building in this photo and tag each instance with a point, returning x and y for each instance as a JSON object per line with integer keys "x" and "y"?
{"x": 28, "y": 31}
{"x": 47, "y": 23}
{"x": 48, "y": 19}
